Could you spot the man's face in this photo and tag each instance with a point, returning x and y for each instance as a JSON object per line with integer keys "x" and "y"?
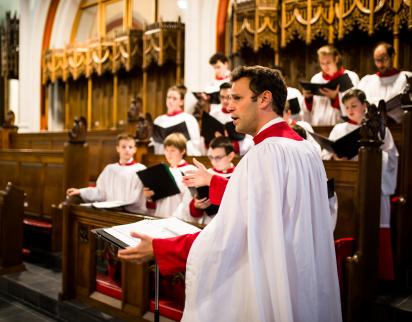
{"x": 243, "y": 110}
{"x": 220, "y": 69}
{"x": 126, "y": 150}
{"x": 224, "y": 95}
{"x": 219, "y": 159}
{"x": 382, "y": 60}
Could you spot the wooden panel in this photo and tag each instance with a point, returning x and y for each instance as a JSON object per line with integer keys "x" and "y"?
{"x": 76, "y": 100}
{"x": 102, "y": 103}
{"x": 32, "y": 182}
{"x": 53, "y": 193}
{"x": 9, "y": 172}
{"x": 129, "y": 86}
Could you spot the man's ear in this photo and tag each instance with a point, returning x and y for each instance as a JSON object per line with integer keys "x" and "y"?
{"x": 265, "y": 99}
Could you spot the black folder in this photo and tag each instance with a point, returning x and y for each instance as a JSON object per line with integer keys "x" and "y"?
{"x": 203, "y": 192}
{"x": 210, "y": 126}
{"x": 159, "y": 179}
{"x": 101, "y": 233}
{"x": 343, "y": 81}
{"x": 294, "y": 105}
{"x": 331, "y": 187}
{"x": 160, "y": 133}
{"x": 394, "y": 108}
{"x": 347, "y": 146}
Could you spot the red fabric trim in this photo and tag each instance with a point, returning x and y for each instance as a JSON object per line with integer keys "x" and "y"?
{"x": 236, "y": 146}
{"x": 151, "y": 204}
{"x": 182, "y": 164}
{"x": 340, "y": 72}
{"x": 128, "y": 163}
{"x": 351, "y": 122}
{"x": 309, "y": 103}
{"x": 171, "y": 253}
{"x": 229, "y": 170}
{"x": 335, "y": 102}
{"x": 385, "y": 269}
{"x": 195, "y": 212}
{"x": 108, "y": 287}
{"x": 395, "y": 199}
{"x": 175, "y": 113}
{"x": 392, "y": 72}
{"x": 225, "y": 110}
{"x": 217, "y": 189}
{"x": 37, "y": 223}
{"x": 168, "y": 308}
{"x": 281, "y": 129}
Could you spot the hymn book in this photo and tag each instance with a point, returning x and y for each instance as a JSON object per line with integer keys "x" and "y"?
{"x": 159, "y": 179}
{"x": 394, "y": 108}
{"x": 210, "y": 126}
{"x": 294, "y": 105}
{"x": 343, "y": 81}
{"x": 203, "y": 192}
{"x": 156, "y": 228}
{"x": 160, "y": 133}
{"x": 346, "y": 146}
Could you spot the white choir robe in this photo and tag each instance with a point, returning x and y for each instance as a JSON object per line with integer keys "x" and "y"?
{"x": 172, "y": 206}
{"x": 323, "y": 113}
{"x": 118, "y": 183}
{"x": 268, "y": 255}
{"x": 295, "y": 93}
{"x": 195, "y": 145}
{"x": 389, "y": 166}
{"x": 384, "y": 88}
{"x": 222, "y": 117}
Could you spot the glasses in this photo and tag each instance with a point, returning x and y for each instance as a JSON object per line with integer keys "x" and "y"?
{"x": 216, "y": 158}
{"x": 382, "y": 59}
{"x": 224, "y": 97}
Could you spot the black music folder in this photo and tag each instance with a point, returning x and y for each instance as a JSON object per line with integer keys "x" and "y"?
{"x": 331, "y": 187}
{"x": 394, "y": 108}
{"x": 210, "y": 126}
{"x": 347, "y": 146}
{"x": 160, "y": 133}
{"x": 159, "y": 179}
{"x": 294, "y": 105}
{"x": 343, "y": 81}
{"x": 203, "y": 192}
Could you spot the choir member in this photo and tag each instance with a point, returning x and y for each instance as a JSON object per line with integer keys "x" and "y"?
{"x": 327, "y": 109}
{"x": 388, "y": 81}
{"x": 356, "y": 106}
{"x": 268, "y": 255}
{"x": 175, "y": 115}
{"x": 221, "y": 113}
{"x": 118, "y": 181}
{"x": 220, "y": 65}
{"x": 174, "y": 150}
{"x": 220, "y": 154}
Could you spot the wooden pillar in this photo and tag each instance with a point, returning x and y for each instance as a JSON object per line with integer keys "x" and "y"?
{"x": 11, "y": 229}
{"x": 362, "y": 268}
{"x": 76, "y": 165}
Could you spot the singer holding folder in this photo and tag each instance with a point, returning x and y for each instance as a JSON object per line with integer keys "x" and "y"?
{"x": 326, "y": 109}
{"x": 268, "y": 255}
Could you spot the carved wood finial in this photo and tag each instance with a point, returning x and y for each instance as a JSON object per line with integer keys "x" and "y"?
{"x": 144, "y": 127}
{"x": 406, "y": 98}
{"x": 374, "y": 125}
{"x": 78, "y": 133}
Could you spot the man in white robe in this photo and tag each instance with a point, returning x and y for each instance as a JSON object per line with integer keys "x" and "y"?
{"x": 388, "y": 81}
{"x": 268, "y": 255}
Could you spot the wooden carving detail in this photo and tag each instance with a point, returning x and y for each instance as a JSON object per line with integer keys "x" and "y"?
{"x": 373, "y": 125}
{"x": 127, "y": 50}
{"x": 78, "y": 133}
{"x": 163, "y": 41}
{"x": 9, "y": 35}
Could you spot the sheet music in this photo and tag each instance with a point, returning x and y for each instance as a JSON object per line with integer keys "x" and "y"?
{"x": 161, "y": 228}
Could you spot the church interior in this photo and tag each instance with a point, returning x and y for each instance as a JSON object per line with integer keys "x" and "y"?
{"x": 76, "y": 75}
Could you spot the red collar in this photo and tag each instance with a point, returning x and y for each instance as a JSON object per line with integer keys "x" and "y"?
{"x": 230, "y": 170}
{"x": 128, "y": 163}
{"x": 223, "y": 77}
{"x": 292, "y": 122}
{"x": 392, "y": 72}
{"x": 174, "y": 113}
{"x": 351, "y": 122}
{"x": 225, "y": 110}
{"x": 340, "y": 72}
{"x": 281, "y": 129}
{"x": 182, "y": 164}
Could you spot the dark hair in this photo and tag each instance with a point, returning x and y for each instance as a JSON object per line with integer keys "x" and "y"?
{"x": 218, "y": 57}
{"x": 354, "y": 92}
{"x": 281, "y": 69}
{"x": 222, "y": 142}
{"x": 264, "y": 79}
{"x": 225, "y": 85}
{"x": 181, "y": 89}
{"x": 388, "y": 47}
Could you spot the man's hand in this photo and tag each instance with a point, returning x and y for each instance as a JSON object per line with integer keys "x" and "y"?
{"x": 73, "y": 192}
{"x": 307, "y": 94}
{"x": 331, "y": 93}
{"x": 148, "y": 194}
{"x": 143, "y": 250}
{"x": 198, "y": 178}
{"x": 202, "y": 203}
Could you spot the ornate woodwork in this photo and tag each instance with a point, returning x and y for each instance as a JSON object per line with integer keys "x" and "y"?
{"x": 9, "y": 35}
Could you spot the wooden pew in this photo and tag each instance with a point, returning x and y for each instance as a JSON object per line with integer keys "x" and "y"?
{"x": 79, "y": 264}
{"x": 11, "y": 229}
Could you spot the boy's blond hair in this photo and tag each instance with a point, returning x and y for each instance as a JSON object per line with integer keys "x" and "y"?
{"x": 176, "y": 140}
{"x": 329, "y": 50}
{"x": 125, "y": 136}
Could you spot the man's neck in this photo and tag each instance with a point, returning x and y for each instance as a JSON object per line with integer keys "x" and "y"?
{"x": 267, "y": 121}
